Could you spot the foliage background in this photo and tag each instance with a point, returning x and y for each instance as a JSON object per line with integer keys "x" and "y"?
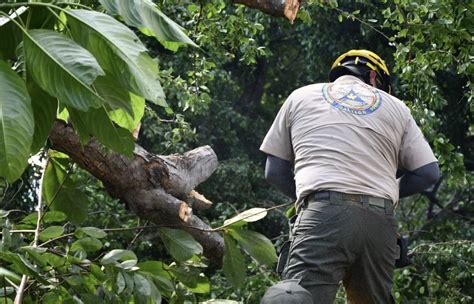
{"x": 226, "y": 94}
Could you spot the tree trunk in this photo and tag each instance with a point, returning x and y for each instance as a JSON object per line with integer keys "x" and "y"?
{"x": 277, "y": 8}
{"x": 157, "y": 188}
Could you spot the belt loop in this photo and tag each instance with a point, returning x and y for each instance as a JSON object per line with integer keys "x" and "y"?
{"x": 388, "y": 207}
{"x": 335, "y": 196}
{"x": 365, "y": 200}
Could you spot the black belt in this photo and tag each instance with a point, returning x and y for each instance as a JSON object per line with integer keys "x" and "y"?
{"x": 358, "y": 198}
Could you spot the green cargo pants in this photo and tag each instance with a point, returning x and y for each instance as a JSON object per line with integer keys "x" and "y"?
{"x": 337, "y": 240}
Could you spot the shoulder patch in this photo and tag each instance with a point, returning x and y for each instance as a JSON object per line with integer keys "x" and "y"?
{"x": 360, "y": 99}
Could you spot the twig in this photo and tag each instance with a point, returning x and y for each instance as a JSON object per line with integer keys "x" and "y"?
{"x": 4, "y": 290}
{"x": 135, "y": 238}
{"x": 21, "y": 231}
{"x": 24, "y": 278}
{"x": 14, "y": 194}
{"x": 363, "y": 22}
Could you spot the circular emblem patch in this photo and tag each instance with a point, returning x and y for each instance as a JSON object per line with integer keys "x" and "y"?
{"x": 355, "y": 99}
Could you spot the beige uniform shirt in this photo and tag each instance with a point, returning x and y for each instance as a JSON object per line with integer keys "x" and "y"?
{"x": 347, "y": 136}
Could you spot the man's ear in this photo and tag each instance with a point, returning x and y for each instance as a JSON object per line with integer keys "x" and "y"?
{"x": 372, "y": 78}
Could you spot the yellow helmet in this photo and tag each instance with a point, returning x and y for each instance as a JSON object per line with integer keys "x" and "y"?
{"x": 359, "y": 62}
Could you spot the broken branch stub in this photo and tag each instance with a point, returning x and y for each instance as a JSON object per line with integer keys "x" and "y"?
{"x": 277, "y": 8}
{"x": 156, "y": 188}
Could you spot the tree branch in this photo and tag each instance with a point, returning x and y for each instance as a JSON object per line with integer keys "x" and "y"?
{"x": 156, "y": 188}
{"x": 277, "y": 8}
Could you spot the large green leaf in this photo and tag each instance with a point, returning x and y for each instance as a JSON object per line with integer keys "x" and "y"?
{"x": 16, "y": 124}
{"x": 256, "y": 244}
{"x": 61, "y": 194}
{"x": 250, "y": 215}
{"x": 180, "y": 244}
{"x": 119, "y": 52}
{"x": 10, "y": 34}
{"x": 44, "y": 110}
{"x": 234, "y": 263}
{"x": 145, "y": 15}
{"x": 97, "y": 123}
{"x": 62, "y": 68}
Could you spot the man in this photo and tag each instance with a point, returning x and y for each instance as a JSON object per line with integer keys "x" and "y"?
{"x": 336, "y": 148}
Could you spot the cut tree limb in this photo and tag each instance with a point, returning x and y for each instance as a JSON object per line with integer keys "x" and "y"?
{"x": 157, "y": 188}
{"x": 277, "y": 8}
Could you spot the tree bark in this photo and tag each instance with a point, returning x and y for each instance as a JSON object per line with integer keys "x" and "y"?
{"x": 157, "y": 188}
{"x": 277, "y": 8}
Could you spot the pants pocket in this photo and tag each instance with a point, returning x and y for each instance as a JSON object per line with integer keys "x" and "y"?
{"x": 316, "y": 214}
{"x": 283, "y": 257}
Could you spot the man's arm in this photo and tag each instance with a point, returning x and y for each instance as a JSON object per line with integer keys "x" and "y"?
{"x": 419, "y": 179}
{"x": 279, "y": 173}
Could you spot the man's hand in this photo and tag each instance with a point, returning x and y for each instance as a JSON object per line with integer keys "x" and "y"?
{"x": 279, "y": 173}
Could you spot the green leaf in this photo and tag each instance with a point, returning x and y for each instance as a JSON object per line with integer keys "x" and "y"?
{"x": 146, "y": 16}
{"x": 52, "y": 298}
{"x": 20, "y": 264}
{"x": 127, "y": 265}
{"x": 97, "y": 123}
{"x": 51, "y": 232}
{"x": 44, "y": 110}
{"x": 156, "y": 268}
{"x": 93, "y": 232}
{"x": 256, "y": 244}
{"x": 6, "y": 291}
{"x": 53, "y": 216}
{"x": 118, "y": 255}
{"x": 234, "y": 263}
{"x": 142, "y": 285}
{"x": 31, "y": 218}
{"x": 16, "y": 124}
{"x": 61, "y": 193}
{"x": 180, "y": 244}
{"x": 87, "y": 244}
{"x": 202, "y": 285}
{"x": 115, "y": 95}
{"x": 55, "y": 260}
{"x": 97, "y": 272}
{"x": 10, "y": 274}
{"x": 124, "y": 119}
{"x": 160, "y": 274}
{"x": 129, "y": 282}
{"x": 10, "y": 34}
{"x": 119, "y": 52}
{"x": 62, "y": 68}
{"x": 120, "y": 282}
{"x": 251, "y": 215}
{"x": 220, "y": 301}
{"x": 187, "y": 275}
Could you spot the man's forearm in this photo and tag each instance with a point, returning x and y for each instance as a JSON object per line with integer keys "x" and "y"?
{"x": 279, "y": 173}
{"x": 418, "y": 180}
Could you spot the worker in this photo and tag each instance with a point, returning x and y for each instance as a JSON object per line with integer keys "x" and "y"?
{"x": 337, "y": 148}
